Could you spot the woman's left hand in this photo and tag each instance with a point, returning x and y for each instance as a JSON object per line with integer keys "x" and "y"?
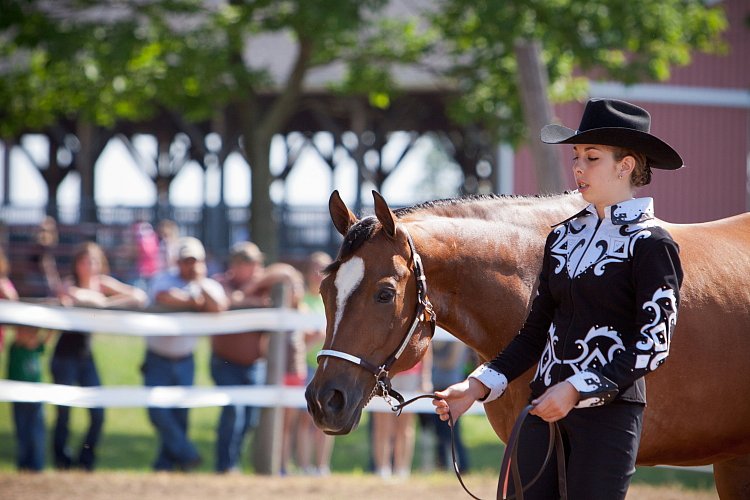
{"x": 556, "y": 402}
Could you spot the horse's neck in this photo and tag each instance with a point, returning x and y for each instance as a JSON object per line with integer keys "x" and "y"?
{"x": 482, "y": 269}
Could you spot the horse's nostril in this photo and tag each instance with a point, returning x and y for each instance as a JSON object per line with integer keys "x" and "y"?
{"x": 334, "y": 401}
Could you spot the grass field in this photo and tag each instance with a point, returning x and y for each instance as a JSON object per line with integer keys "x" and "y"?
{"x": 128, "y": 442}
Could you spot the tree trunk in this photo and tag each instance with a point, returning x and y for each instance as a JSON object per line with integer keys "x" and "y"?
{"x": 533, "y": 84}
{"x": 8, "y": 144}
{"x": 52, "y": 177}
{"x": 263, "y": 224}
{"x": 85, "y": 159}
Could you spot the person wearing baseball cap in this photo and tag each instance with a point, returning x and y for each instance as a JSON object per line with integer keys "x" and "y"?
{"x": 169, "y": 360}
{"x": 603, "y": 316}
{"x": 190, "y": 248}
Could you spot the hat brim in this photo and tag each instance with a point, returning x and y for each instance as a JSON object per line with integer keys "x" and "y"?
{"x": 659, "y": 153}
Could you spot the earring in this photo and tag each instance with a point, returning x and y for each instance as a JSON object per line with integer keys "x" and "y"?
{"x": 619, "y": 176}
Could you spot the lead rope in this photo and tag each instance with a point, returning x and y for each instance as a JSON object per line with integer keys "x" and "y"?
{"x": 509, "y": 463}
{"x": 400, "y": 407}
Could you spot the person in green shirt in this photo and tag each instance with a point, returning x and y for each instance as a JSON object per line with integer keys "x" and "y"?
{"x": 24, "y": 364}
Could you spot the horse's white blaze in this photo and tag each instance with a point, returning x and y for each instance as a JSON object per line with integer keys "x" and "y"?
{"x": 348, "y": 278}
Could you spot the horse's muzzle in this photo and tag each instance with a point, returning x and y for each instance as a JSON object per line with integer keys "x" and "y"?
{"x": 332, "y": 409}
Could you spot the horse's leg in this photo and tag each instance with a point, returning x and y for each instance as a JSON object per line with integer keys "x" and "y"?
{"x": 732, "y": 478}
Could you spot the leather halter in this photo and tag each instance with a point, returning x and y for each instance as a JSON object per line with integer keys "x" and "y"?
{"x": 424, "y": 313}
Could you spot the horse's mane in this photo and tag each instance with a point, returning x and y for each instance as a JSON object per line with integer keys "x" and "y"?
{"x": 363, "y": 230}
{"x": 469, "y": 199}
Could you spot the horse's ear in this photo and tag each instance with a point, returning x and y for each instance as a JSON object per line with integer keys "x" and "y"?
{"x": 384, "y": 214}
{"x": 342, "y": 217}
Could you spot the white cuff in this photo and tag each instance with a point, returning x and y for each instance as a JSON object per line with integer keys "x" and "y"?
{"x": 492, "y": 379}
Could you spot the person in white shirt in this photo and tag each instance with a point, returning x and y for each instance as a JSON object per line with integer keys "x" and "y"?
{"x": 169, "y": 360}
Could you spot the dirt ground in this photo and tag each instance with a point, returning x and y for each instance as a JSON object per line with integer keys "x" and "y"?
{"x": 153, "y": 486}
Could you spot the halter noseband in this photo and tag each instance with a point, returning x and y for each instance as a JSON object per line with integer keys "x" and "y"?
{"x": 424, "y": 313}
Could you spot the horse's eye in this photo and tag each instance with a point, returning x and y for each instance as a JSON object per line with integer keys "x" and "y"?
{"x": 385, "y": 296}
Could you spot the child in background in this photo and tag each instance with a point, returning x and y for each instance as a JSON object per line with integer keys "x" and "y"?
{"x": 24, "y": 364}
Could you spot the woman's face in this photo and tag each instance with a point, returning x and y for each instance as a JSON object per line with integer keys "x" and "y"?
{"x": 88, "y": 265}
{"x": 596, "y": 175}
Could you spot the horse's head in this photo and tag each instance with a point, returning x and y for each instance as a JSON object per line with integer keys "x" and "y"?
{"x": 379, "y": 321}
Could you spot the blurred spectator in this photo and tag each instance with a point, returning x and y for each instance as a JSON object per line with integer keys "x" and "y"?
{"x": 238, "y": 359}
{"x": 296, "y": 368}
{"x": 169, "y": 360}
{"x": 393, "y": 437}
{"x": 24, "y": 364}
{"x": 146, "y": 250}
{"x": 315, "y": 446}
{"x": 43, "y": 259}
{"x": 43, "y": 281}
{"x": 169, "y": 238}
{"x": 294, "y": 418}
{"x": 449, "y": 360}
{"x": 72, "y": 362}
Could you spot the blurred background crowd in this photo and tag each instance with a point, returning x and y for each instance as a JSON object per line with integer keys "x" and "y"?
{"x": 170, "y": 272}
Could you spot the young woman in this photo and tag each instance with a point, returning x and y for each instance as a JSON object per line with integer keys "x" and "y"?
{"x": 604, "y": 313}
{"x": 72, "y": 361}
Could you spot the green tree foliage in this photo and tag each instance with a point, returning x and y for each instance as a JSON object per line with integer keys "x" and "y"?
{"x": 125, "y": 59}
{"x": 627, "y": 41}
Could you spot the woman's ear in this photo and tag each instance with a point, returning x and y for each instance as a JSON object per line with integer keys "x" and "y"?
{"x": 626, "y": 166}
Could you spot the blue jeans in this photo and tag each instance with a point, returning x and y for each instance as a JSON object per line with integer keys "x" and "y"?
{"x": 175, "y": 448}
{"x": 235, "y": 421}
{"x": 30, "y": 434}
{"x": 76, "y": 370}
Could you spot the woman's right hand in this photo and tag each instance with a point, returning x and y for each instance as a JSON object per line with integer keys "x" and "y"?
{"x": 458, "y": 398}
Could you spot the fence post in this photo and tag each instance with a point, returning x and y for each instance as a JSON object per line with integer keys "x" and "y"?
{"x": 269, "y": 434}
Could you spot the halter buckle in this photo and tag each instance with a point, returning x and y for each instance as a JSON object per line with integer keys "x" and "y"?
{"x": 428, "y": 314}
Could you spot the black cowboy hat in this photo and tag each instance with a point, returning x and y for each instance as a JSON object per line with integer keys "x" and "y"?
{"x": 616, "y": 123}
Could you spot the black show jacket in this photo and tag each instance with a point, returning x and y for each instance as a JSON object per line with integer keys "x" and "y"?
{"x": 605, "y": 309}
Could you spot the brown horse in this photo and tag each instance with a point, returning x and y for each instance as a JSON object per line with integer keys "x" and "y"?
{"x": 481, "y": 259}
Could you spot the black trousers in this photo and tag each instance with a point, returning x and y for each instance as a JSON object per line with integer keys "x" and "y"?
{"x": 601, "y": 444}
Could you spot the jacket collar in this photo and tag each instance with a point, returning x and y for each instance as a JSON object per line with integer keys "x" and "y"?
{"x": 633, "y": 211}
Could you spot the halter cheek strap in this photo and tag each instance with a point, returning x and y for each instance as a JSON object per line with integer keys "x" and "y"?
{"x": 424, "y": 313}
